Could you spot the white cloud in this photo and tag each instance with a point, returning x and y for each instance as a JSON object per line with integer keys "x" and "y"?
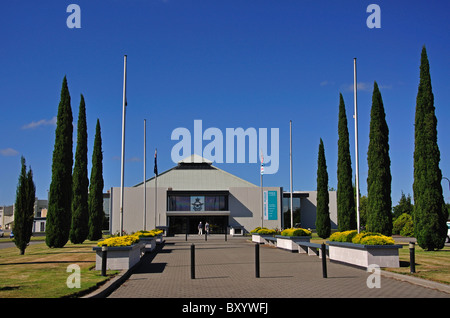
{"x": 42, "y": 122}
{"x": 365, "y": 87}
{"x": 8, "y": 152}
{"x": 326, "y": 83}
{"x": 361, "y": 86}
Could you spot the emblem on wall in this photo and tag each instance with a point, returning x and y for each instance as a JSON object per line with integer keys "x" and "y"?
{"x": 197, "y": 203}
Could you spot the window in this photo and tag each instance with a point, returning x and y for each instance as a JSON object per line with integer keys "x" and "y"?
{"x": 193, "y": 202}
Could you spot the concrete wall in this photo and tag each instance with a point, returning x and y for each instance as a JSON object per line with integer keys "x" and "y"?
{"x": 246, "y": 207}
{"x": 308, "y": 210}
{"x": 133, "y": 209}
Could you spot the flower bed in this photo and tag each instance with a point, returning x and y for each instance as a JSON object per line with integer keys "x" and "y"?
{"x": 363, "y": 249}
{"x": 123, "y": 252}
{"x": 149, "y": 239}
{"x": 289, "y": 238}
{"x": 260, "y": 234}
{"x": 119, "y": 257}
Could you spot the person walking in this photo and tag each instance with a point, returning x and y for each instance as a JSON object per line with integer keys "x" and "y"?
{"x": 207, "y": 228}
{"x": 200, "y": 228}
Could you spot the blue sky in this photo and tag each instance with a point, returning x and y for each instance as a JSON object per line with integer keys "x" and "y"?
{"x": 234, "y": 63}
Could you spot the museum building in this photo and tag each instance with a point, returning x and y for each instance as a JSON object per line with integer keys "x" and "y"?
{"x": 195, "y": 191}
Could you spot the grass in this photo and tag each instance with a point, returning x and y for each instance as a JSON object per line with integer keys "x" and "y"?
{"x": 42, "y": 271}
{"x": 431, "y": 265}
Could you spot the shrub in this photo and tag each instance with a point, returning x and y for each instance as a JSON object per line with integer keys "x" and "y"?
{"x": 345, "y": 236}
{"x": 148, "y": 233}
{"x": 408, "y": 228}
{"x": 126, "y": 240}
{"x": 255, "y": 230}
{"x": 296, "y": 232}
{"x": 370, "y": 238}
{"x": 265, "y": 231}
{"x": 403, "y": 225}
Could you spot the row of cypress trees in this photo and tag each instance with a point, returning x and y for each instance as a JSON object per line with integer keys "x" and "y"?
{"x": 75, "y": 207}
{"x": 430, "y": 213}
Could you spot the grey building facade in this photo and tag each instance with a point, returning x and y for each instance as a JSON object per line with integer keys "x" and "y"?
{"x": 195, "y": 191}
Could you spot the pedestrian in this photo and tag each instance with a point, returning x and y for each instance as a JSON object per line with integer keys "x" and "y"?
{"x": 207, "y": 228}
{"x": 200, "y": 228}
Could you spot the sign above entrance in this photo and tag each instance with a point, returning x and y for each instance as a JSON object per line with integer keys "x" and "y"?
{"x": 197, "y": 203}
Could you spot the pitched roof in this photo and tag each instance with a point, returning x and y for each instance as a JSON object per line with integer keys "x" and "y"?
{"x": 196, "y": 173}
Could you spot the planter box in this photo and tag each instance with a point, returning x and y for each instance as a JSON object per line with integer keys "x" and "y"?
{"x": 148, "y": 242}
{"x": 260, "y": 238}
{"x": 289, "y": 243}
{"x": 364, "y": 255}
{"x": 119, "y": 257}
{"x": 159, "y": 239}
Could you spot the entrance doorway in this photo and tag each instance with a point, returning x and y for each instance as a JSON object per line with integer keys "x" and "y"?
{"x": 179, "y": 224}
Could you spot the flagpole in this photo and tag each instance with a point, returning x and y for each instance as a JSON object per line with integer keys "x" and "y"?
{"x": 290, "y": 156}
{"x": 145, "y": 176}
{"x": 124, "y": 104}
{"x": 356, "y": 143}
{"x": 155, "y": 170}
{"x": 262, "y": 196}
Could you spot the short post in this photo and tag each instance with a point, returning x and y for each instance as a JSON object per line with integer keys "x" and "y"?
{"x": 225, "y": 235}
{"x": 192, "y": 261}
{"x": 324, "y": 260}
{"x": 412, "y": 258}
{"x": 104, "y": 258}
{"x": 257, "y": 260}
{"x": 206, "y": 235}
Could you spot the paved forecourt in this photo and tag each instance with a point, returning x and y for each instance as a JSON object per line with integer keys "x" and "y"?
{"x": 226, "y": 269}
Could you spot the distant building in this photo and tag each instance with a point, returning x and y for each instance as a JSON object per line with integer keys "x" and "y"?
{"x": 6, "y": 217}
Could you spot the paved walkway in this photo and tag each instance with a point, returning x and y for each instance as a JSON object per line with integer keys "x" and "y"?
{"x": 226, "y": 269}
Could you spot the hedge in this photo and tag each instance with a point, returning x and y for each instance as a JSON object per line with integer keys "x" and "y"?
{"x": 296, "y": 232}
{"x": 363, "y": 238}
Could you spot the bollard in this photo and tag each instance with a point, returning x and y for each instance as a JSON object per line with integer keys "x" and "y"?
{"x": 206, "y": 235}
{"x": 192, "y": 261}
{"x": 324, "y": 260}
{"x": 104, "y": 258}
{"x": 412, "y": 258}
{"x": 225, "y": 235}
{"x": 257, "y": 260}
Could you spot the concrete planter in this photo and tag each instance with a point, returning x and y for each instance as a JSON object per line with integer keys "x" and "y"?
{"x": 289, "y": 243}
{"x": 119, "y": 257}
{"x": 364, "y": 255}
{"x": 159, "y": 239}
{"x": 260, "y": 238}
{"x": 148, "y": 242}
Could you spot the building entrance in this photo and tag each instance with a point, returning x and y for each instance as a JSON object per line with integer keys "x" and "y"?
{"x": 180, "y": 224}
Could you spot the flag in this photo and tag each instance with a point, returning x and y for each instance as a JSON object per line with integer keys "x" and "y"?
{"x": 156, "y": 166}
{"x": 262, "y": 163}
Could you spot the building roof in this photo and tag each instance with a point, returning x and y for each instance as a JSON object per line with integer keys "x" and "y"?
{"x": 196, "y": 173}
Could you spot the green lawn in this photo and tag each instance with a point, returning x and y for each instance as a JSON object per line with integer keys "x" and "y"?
{"x": 42, "y": 271}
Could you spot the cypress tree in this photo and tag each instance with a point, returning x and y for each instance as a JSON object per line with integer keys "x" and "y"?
{"x": 80, "y": 213}
{"x": 346, "y": 209}
{"x": 96, "y": 213}
{"x": 379, "y": 209}
{"x": 323, "y": 223}
{"x": 24, "y": 208}
{"x": 60, "y": 192}
{"x": 430, "y": 214}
